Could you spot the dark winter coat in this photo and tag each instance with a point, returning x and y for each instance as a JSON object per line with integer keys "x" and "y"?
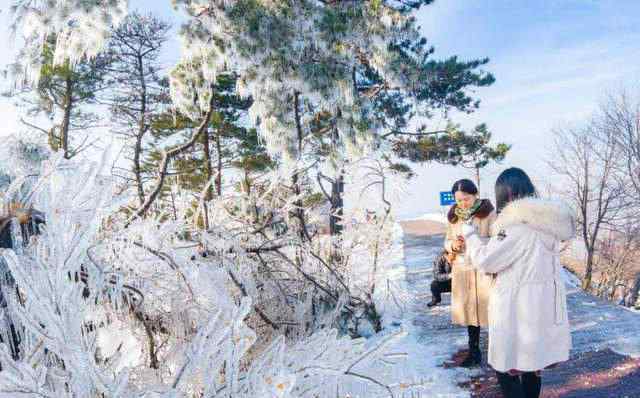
{"x": 441, "y": 268}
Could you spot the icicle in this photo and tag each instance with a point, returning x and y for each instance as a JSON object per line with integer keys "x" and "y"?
{"x": 81, "y": 28}
{"x": 17, "y": 237}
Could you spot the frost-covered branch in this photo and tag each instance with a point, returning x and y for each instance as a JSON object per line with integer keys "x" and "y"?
{"x": 169, "y": 155}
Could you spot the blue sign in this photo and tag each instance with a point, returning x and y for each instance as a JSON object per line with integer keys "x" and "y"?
{"x": 446, "y": 198}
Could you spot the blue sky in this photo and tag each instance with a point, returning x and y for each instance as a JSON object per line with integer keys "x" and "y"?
{"x": 553, "y": 62}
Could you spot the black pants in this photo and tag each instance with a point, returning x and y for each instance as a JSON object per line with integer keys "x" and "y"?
{"x": 474, "y": 338}
{"x": 437, "y": 288}
{"x": 526, "y": 385}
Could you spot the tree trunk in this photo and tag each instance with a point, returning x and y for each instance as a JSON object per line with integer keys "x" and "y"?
{"x": 337, "y": 209}
{"x": 137, "y": 169}
{"x": 66, "y": 118}
{"x": 337, "y": 191}
{"x": 167, "y": 157}
{"x": 478, "y": 178}
{"x": 633, "y": 299}
{"x": 337, "y": 205}
{"x": 295, "y": 179}
{"x": 208, "y": 173}
{"x": 586, "y": 281}
{"x": 142, "y": 129}
{"x": 247, "y": 182}
{"x": 584, "y": 204}
{"x": 219, "y": 166}
{"x": 153, "y": 354}
{"x": 208, "y": 168}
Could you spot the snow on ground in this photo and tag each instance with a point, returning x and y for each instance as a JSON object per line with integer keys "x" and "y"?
{"x": 420, "y": 350}
{"x": 597, "y": 325}
{"x": 570, "y": 280}
{"x": 438, "y": 217}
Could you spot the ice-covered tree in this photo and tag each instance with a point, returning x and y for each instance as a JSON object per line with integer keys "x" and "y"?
{"x": 330, "y": 81}
{"x": 227, "y": 145}
{"x": 343, "y": 62}
{"x": 101, "y": 312}
{"x": 61, "y": 104}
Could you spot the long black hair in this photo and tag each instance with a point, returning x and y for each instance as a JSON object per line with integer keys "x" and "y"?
{"x": 513, "y": 184}
{"x": 466, "y": 186}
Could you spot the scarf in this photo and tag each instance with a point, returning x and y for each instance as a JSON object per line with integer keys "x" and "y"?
{"x": 466, "y": 214}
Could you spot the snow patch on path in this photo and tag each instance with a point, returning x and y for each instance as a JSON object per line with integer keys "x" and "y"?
{"x": 438, "y": 217}
{"x": 415, "y": 358}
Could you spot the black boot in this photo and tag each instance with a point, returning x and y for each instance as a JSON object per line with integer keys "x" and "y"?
{"x": 475, "y": 356}
{"x": 434, "y": 301}
{"x": 436, "y": 296}
{"x": 473, "y": 359}
{"x": 510, "y": 386}
{"x": 531, "y": 384}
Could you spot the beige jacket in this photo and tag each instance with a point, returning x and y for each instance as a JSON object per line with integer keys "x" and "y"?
{"x": 470, "y": 288}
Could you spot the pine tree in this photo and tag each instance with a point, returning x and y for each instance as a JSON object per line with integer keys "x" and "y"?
{"x": 331, "y": 82}
{"x": 67, "y": 94}
{"x": 138, "y": 94}
{"x": 453, "y": 146}
{"x": 224, "y": 145}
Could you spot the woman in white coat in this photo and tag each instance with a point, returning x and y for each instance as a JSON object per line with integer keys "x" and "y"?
{"x": 528, "y": 322}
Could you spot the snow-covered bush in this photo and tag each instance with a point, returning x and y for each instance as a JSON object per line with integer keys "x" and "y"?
{"x": 20, "y": 155}
{"x": 91, "y": 307}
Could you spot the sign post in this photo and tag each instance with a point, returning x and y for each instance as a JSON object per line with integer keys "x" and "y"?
{"x": 446, "y": 199}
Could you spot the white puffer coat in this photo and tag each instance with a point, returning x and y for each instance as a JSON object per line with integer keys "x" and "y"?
{"x": 528, "y": 322}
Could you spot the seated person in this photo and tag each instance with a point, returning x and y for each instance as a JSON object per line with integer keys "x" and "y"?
{"x": 441, "y": 277}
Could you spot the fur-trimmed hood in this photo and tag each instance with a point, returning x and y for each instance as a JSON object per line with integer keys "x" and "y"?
{"x": 483, "y": 211}
{"x": 554, "y": 218}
